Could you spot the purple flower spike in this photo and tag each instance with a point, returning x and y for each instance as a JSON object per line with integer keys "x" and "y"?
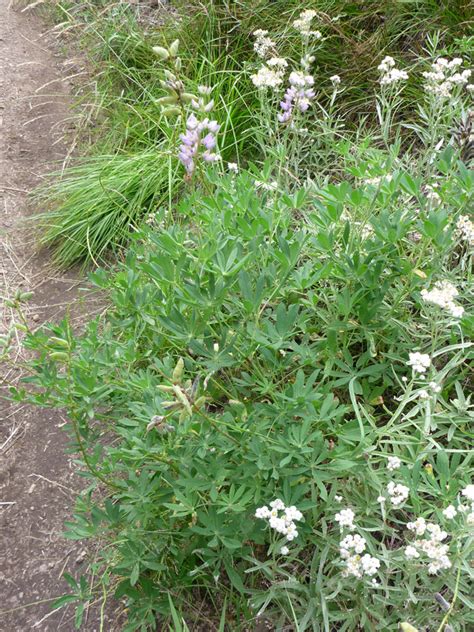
{"x": 209, "y": 141}
{"x": 213, "y": 126}
{"x": 191, "y": 142}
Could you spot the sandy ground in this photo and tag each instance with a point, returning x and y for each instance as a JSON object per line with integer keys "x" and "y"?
{"x": 37, "y": 476}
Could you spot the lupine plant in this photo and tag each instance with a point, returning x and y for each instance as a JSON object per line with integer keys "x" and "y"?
{"x": 275, "y": 412}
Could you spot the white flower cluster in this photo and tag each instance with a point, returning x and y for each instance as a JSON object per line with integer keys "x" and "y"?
{"x": 283, "y": 522}
{"x": 303, "y": 24}
{"x": 263, "y": 44}
{"x": 432, "y": 547}
{"x": 450, "y": 512}
{"x": 465, "y": 229}
{"x": 393, "y": 463}
{"x": 424, "y": 394}
{"x": 432, "y": 195}
{"x": 268, "y": 77}
{"x": 419, "y": 362}
{"x": 398, "y": 493}
{"x": 468, "y": 493}
{"x": 376, "y": 180}
{"x": 335, "y": 80}
{"x": 444, "y": 76}
{"x": 351, "y": 548}
{"x": 443, "y": 294}
{"x": 345, "y": 518}
{"x": 390, "y": 74}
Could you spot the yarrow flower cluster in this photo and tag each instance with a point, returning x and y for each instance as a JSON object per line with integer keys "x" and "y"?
{"x": 393, "y": 463}
{"x": 263, "y": 44}
{"x": 468, "y": 493}
{"x": 303, "y": 24}
{"x": 398, "y": 493}
{"x": 345, "y": 518}
{"x": 299, "y": 95}
{"x": 419, "y": 362}
{"x": 283, "y": 522}
{"x": 351, "y": 547}
{"x": 267, "y": 77}
{"x": 444, "y": 77}
{"x": 465, "y": 229}
{"x": 390, "y": 74}
{"x": 450, "y": 512}
{"x": 376, "y": 180}
{"x": 443, "y": 294}
{"x": 431, "y": 546}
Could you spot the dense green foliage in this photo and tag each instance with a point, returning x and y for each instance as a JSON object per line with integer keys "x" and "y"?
{"x": 293, "y": 329}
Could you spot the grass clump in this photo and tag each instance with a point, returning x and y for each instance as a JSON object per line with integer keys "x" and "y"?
{"x": 86, "y": 222}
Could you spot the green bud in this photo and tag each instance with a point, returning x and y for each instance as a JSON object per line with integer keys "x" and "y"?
{"x": 165, "y": 388}
{"x": 199, "y": 403}
{"x": 59, "y": 355}
{"x": 187, "y": 97}
{"x": 171, "y": 112}
{"x": 174, "y": 48}
{"x": 161, "y": 52}
{"x": 177, "y": 63}
{"x": 183, "y": 415}
{"x": 169, "y": 75}
{"x": 182, "y": 398}
{"x": 171, "y": 100}
{"x": 60, "y": 342}
{"x": 178, "y": 370}
{"x": 406, "y": 627}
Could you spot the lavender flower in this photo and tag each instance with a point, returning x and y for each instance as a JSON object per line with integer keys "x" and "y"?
{"x": 193, "y": 140}
{"x": 299, "y": 95}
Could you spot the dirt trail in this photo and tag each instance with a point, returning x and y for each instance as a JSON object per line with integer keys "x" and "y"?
{"x": 37, "y": 476}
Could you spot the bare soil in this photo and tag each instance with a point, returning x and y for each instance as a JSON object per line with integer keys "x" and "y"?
{"x": 38, "y": 479}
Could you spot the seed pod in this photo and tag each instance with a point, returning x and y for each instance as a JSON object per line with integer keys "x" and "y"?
{"x": 174, "y": 48}
{"x": 183, "y": 415}
{"x": 178, "y": 370}
{"x": 60, "y": 342}
{"x": 182, "y": 398}
{"x": 170, "y": 100}
{"x": 177, "y": 63}
{"x": 171, "y": 112}
{"x": 170, "y": 405}
{"x": 165, "y": 388}
{"x": 169, "y": 75}
{"x": 187, "y": 97}
{"x": 161, "y": 52}
{"x": 59, "y": 355}
{"x": 199, "y": 403}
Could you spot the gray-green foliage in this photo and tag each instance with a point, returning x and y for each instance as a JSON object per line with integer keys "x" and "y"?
{"x": 255, "y": 350}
